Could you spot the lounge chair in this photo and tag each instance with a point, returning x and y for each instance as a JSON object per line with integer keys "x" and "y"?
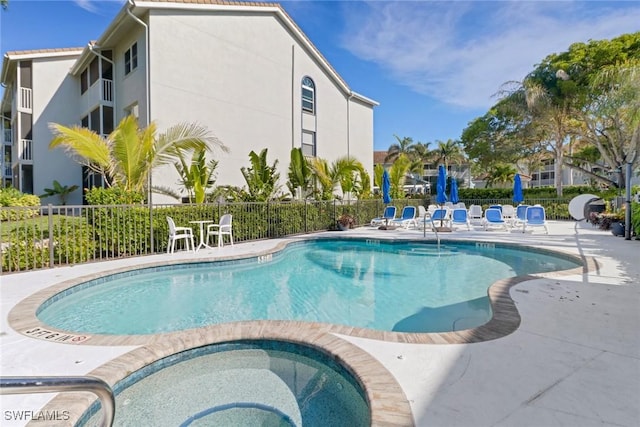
{"x": 493, "y": 219}
{"x": 407, "y": 218}
{"x": 509, "y": 213}
{"x": 460, "y": 217}
{"x": 475, "y": 213}
{"x": 389, "y": 214}
{"x": 441, "y": 217}
{"x": 222, "y": 229}
{"x": 535, "y": 217}
{"x": 179, "y": 233}
{"x": 521, "y": 215}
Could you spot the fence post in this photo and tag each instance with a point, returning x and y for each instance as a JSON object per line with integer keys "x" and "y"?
{"x": 151, "y": 224}
{"x": 306, "y": 216}
{"x": 51, "y": 239}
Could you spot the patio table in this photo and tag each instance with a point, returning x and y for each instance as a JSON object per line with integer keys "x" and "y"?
{"x": 202, "y": 244}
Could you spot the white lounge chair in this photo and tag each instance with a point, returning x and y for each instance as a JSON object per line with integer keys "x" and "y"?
{"x": 475, "y": 213}
{"x": 460, "y": 217}
{"x": 220, "y": 230}
{"x": 493, "y": 219}
{"x": 407, "y": 218}
{"x": 179, "y": 233}
{"x": 535, "y": 217}
{"x": 389, "y": 214}
{"x": 509, "y": 214}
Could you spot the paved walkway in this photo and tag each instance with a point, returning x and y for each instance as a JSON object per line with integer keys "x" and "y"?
{"x": 574, "y": 361}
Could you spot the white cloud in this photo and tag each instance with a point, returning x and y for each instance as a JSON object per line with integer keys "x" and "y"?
{"x": 462, "y": 52}
{"x": 88, "y": 5}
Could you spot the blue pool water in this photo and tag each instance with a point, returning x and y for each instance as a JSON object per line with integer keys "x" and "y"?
{"x": 389, "y": 286}
{"x": 250, "y": 383}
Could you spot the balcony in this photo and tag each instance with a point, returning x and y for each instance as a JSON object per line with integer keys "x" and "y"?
{"x": 7, "y": 136}
{"x": 100, "y": 92}
{"x": 7, "y": 172}
{"x": 25, "y": 100}
{"x": 26, "y": 149}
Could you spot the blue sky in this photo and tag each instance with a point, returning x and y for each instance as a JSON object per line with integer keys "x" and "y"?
{"x": 432, "y": 66}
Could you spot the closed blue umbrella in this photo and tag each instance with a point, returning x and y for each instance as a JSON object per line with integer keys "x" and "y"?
{"x": 386, "y": 187}
{"x": 441, "y": 196}
{"x": 518, "y": 197}
{"x": 453, "y": 196}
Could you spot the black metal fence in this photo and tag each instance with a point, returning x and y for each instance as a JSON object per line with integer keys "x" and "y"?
{"x": 43, "y": 237}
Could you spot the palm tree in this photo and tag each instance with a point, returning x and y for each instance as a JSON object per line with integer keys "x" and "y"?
{"x": 127, "y": 155}
{"x": 501, "y": 174}
{"x": 403, "y": 146}
{"x": 300, "y": 173}
{"x": 447, "y": 153}
{"x": 397, "y": 175}
{"x": 196, "y": 175}
{"x": 323, "y": 178}
{"x": 345, "y": 171}
{"x": 261, "y": 179}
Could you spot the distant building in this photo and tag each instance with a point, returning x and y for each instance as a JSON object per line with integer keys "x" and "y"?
{"x": 244, "y": 70}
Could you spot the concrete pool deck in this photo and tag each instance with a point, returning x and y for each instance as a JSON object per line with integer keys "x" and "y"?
{"x": 574, "y": 360}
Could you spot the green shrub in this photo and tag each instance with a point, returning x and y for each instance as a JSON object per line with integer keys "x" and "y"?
{"x": 12, "y": 198}
{"x": 73, "y": 241}
{"x": 113, "y": 196}
{"x": 25, "y": 250}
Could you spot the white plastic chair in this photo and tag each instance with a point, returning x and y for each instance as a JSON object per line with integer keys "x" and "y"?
{"x": 222, "y": 229}
{"x": 509, "y": 214}
{"x": 178, "y": 233}
{"x": 475, "y": 213}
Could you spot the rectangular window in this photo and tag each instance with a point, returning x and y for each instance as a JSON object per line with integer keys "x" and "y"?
{"x": 131, "y": 59}
{"x": 94, "y": 121}
{"x": 94, "y": 72}
{"x": 307, "y": 100}
{"x": 84, "y": 122}
{"x": 309, "y": 143}
{"x": 84, "y": 81}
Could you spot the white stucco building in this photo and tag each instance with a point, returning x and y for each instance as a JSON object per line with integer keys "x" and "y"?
{"x": 243, "y": 70}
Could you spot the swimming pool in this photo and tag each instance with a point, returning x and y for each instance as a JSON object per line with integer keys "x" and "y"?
{"x": 259, "y": 382}
{"x": 387, "y": 286}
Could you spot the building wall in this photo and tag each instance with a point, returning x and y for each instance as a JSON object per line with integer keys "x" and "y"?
{"x": 55, "y": 95}
{"x": 240, "y": 76}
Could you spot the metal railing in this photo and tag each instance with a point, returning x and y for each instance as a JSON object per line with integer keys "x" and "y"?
{"x": 27, "y": 385}
{"x": 107, "y": 90}
{"x": 46, "y": 236}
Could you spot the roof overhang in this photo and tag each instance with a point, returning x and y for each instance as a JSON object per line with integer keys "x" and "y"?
{"x": 12, "y": 57}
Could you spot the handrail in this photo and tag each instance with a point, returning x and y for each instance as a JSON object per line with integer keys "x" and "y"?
{"x": 25, "y": 385}
{"x": 435, "y": 229}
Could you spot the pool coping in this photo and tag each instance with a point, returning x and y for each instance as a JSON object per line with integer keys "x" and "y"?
{"x": 387, "y": 401}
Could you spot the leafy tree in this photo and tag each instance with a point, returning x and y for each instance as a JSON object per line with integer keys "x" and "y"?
{"x": 127, "y": 155}
{"x": 59, "y": 190}
{"x": 610, "y": 123}
{"x": 300, "y": 173}
{"x": 197, "y": 175}
{"x": 261, "y": 179}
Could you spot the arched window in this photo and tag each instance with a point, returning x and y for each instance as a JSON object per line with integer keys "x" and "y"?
{"x": 308, "y": 95}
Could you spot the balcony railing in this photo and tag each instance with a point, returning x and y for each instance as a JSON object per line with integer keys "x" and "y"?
{"x": 7, "y": 136}
{"x": 107, "y": 90}
{"x": 26, "y": 149}
{"x": 26, "y": 100}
